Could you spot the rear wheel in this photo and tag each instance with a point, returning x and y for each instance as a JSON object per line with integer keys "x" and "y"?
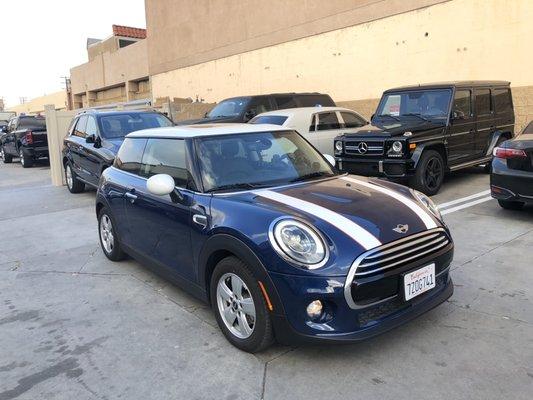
{"x": 429, "y": 173}
{"x": 25, "y": 161}
{"x": 239, "y": 306}
{"x": 108, "y": 236}
{"x": 510, "y": 205}
{"x": 6, "y": 158}
{"x": 73, "y": 184}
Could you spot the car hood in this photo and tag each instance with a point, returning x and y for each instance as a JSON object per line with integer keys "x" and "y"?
{"x": 366, "y": 211}
{"x": 113, "y": 145}
{"x": 209, "y": 120}
{"x": 393, "y": 128}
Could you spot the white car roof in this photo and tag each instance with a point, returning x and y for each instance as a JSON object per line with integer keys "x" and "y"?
{"x": 200, "y": 130}
{"x": 304, "y": 111}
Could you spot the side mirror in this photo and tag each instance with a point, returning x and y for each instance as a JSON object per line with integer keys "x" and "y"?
{"x": 90, "y": 139}
{"x": 163, "y": 184}
{"x": 206, "y": 115}
{"x": 249, "y": 115}
{"x": 330, "y": 159}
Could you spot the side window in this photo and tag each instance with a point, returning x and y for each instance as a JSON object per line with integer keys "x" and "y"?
{"x": 283, "y": 102}
{"x": 462, "y": 104}
{"x": 71, "y": 126}
{"x": 91, "y": 129}
{"x": 80, "y": 127}
{"x": 166, "y": 156}
{"x": 313, "y": 124}
{"x": 352, "y": 120}
{"x": 260, "y": 105}
{"x": 502, "y": 100}
{"x": 130, "y": 155}
{"x": 328, "y": 120}
{"x": 483, "y": 102}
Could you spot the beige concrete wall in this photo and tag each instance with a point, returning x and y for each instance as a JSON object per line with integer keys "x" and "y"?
{"x": 105, "y": 46}
{"x": 188, "y": 32}
{"x": 111, "y": 69}
{"x": 37, "y": 105}
{"x": 463, "y": 41}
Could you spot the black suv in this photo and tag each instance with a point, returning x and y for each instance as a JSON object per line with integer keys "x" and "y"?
{"x": 419, "y": 133}
{"x": 243, "y": 109}
{"x": 94, "y": 138}
{"x": 24, "y": 137}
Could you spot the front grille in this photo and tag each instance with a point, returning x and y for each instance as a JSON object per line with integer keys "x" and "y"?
{"x": 364, "y": 147}
{"x": 401, "y": 252}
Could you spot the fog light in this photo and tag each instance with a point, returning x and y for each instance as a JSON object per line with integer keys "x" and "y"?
{"x": 314, "y": 309}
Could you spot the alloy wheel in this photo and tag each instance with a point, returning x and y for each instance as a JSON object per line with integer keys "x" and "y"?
{"x": 236, "y": 305}
{"x": 433, "y": 173}
{"x": 106, "y": 233}
{"x": 21, "y": 156}
{"x": 69, "y": 177}
{"x": 2, "y": 153}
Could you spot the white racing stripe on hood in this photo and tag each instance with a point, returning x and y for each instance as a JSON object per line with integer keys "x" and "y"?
{"x": 357, "y": 233}
{"x": 417, "y": 209}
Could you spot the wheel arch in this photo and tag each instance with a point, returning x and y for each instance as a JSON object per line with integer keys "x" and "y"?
{"x": 437, "y": 146}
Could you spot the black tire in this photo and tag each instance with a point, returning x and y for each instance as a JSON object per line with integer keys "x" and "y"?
{"x": 73, "y": 184}
{"x": 510, "y": 205}
{"x": 262, "y": 334}
{"x": 6, "y": 158}
{"x": 488, "y": 166}
{"x": 114, "y": 253}
{"x": 25, "y": 161}
{"x": 429, "y": 173}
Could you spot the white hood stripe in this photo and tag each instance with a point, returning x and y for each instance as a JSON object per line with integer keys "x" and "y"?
{"x": 357, "y": 233}
{"x": 417, "y": 209}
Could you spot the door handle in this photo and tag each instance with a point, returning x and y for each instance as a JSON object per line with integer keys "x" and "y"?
{"x": 130, "y": 196}
{"x": 200, "y": 220}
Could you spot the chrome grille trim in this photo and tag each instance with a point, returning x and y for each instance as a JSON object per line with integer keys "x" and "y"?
{"x": 437, "y": 238}
{"x": 375, "y": 147}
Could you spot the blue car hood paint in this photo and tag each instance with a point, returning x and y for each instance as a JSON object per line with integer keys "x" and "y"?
{"x": 113, "y": 144}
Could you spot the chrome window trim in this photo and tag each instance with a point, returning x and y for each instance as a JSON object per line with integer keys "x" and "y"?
{"x": 353, "y": 268}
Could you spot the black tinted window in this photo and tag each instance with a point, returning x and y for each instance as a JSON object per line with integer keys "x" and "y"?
{"x": 260, "y": 105}
{"x": 462, "y": 104}
{"x": 32, "y": 123}
{"x": 79, "y": 130}
{"x": 483, "y": 102}
{"x": 285, "y": 102}
{"x": 130, "y": 155}
{"x": 502, "y": 100}
{"x": 166, "y": 156}
{"x": 315, "y": 100}
{"x": 328, "y": 120}
{"x": 352, "y": 120}
{"x": 269, "y": 119}
{"x": 119, "y": 125}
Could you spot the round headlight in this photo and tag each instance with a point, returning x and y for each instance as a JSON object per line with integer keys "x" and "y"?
{"x": 397, "y": 147}
{"x": 430, "y": 205}
{"x": 338, "y": 146}
{"x": 298, "y": 243}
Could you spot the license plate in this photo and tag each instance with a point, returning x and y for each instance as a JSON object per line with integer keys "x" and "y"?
{"x": 419, "y": 281}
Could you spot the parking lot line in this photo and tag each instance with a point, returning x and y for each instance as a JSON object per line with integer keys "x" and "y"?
{"x": 463, "y": 199}
{"x": 466, "y": 205}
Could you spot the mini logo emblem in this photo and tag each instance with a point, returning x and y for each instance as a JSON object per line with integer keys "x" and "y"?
{"x": 401, "y": 228}
{"x": 362, "y": 147}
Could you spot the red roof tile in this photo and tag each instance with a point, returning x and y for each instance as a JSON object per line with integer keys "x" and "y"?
{"x": 128, "y": 31}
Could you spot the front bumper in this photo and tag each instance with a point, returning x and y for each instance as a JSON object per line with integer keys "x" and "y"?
{"x": 511, "y": 184}
{"x": 340, "y": 322}
{"x": 389, "y": 168}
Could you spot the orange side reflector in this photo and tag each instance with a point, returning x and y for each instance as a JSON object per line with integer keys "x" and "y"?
{"x": 269, "y": 304}
{"x": 412, "y": 146}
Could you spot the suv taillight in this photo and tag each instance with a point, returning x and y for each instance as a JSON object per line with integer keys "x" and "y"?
{"x": 29, "y": 137}
{"x": 500, "y": 152}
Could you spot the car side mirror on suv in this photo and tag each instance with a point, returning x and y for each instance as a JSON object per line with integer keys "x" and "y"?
{"x": 90, "y": 139}
{"x": 249, "y": 115}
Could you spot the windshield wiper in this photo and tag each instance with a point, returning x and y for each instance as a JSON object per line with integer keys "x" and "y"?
{"x": 311, "y": 176}
{"x": 416, "y": 115}
{"x": 242, "y": 185}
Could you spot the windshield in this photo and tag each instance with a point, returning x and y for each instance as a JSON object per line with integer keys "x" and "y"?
{"x": 229, "y": 108}
{"x": 247, "y": 161}
{"x": 423, "y": 104}
{"x": 119, "y": 125}
{"x": 32, "y": 123}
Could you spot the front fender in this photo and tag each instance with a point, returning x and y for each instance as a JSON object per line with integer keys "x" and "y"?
{"x": 420, "y": 147}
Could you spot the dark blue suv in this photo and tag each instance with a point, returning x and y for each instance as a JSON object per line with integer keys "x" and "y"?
{"x": 253, "y": 220}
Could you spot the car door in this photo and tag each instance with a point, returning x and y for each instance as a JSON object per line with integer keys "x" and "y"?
{"x": 75, "y": 146}
{"x": 159, "y": 227}
{"x": 484, "y": 116}
{"x": 461, "y": 132}
{"x": 91, "y": 159}
{"x": 327, "y": 126}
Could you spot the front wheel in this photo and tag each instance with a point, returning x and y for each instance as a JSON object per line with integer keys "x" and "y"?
{"x": 510, "y": 205}
{"x": 6, "y": 158}
{"x": 429, "y": 173}
{"x": 239, "y": 306}
{"x": 108, "y": 236}
{"x": 25, "y": 161}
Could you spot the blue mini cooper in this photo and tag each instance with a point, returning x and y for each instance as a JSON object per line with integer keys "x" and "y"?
{"x": 253, "y": 220}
